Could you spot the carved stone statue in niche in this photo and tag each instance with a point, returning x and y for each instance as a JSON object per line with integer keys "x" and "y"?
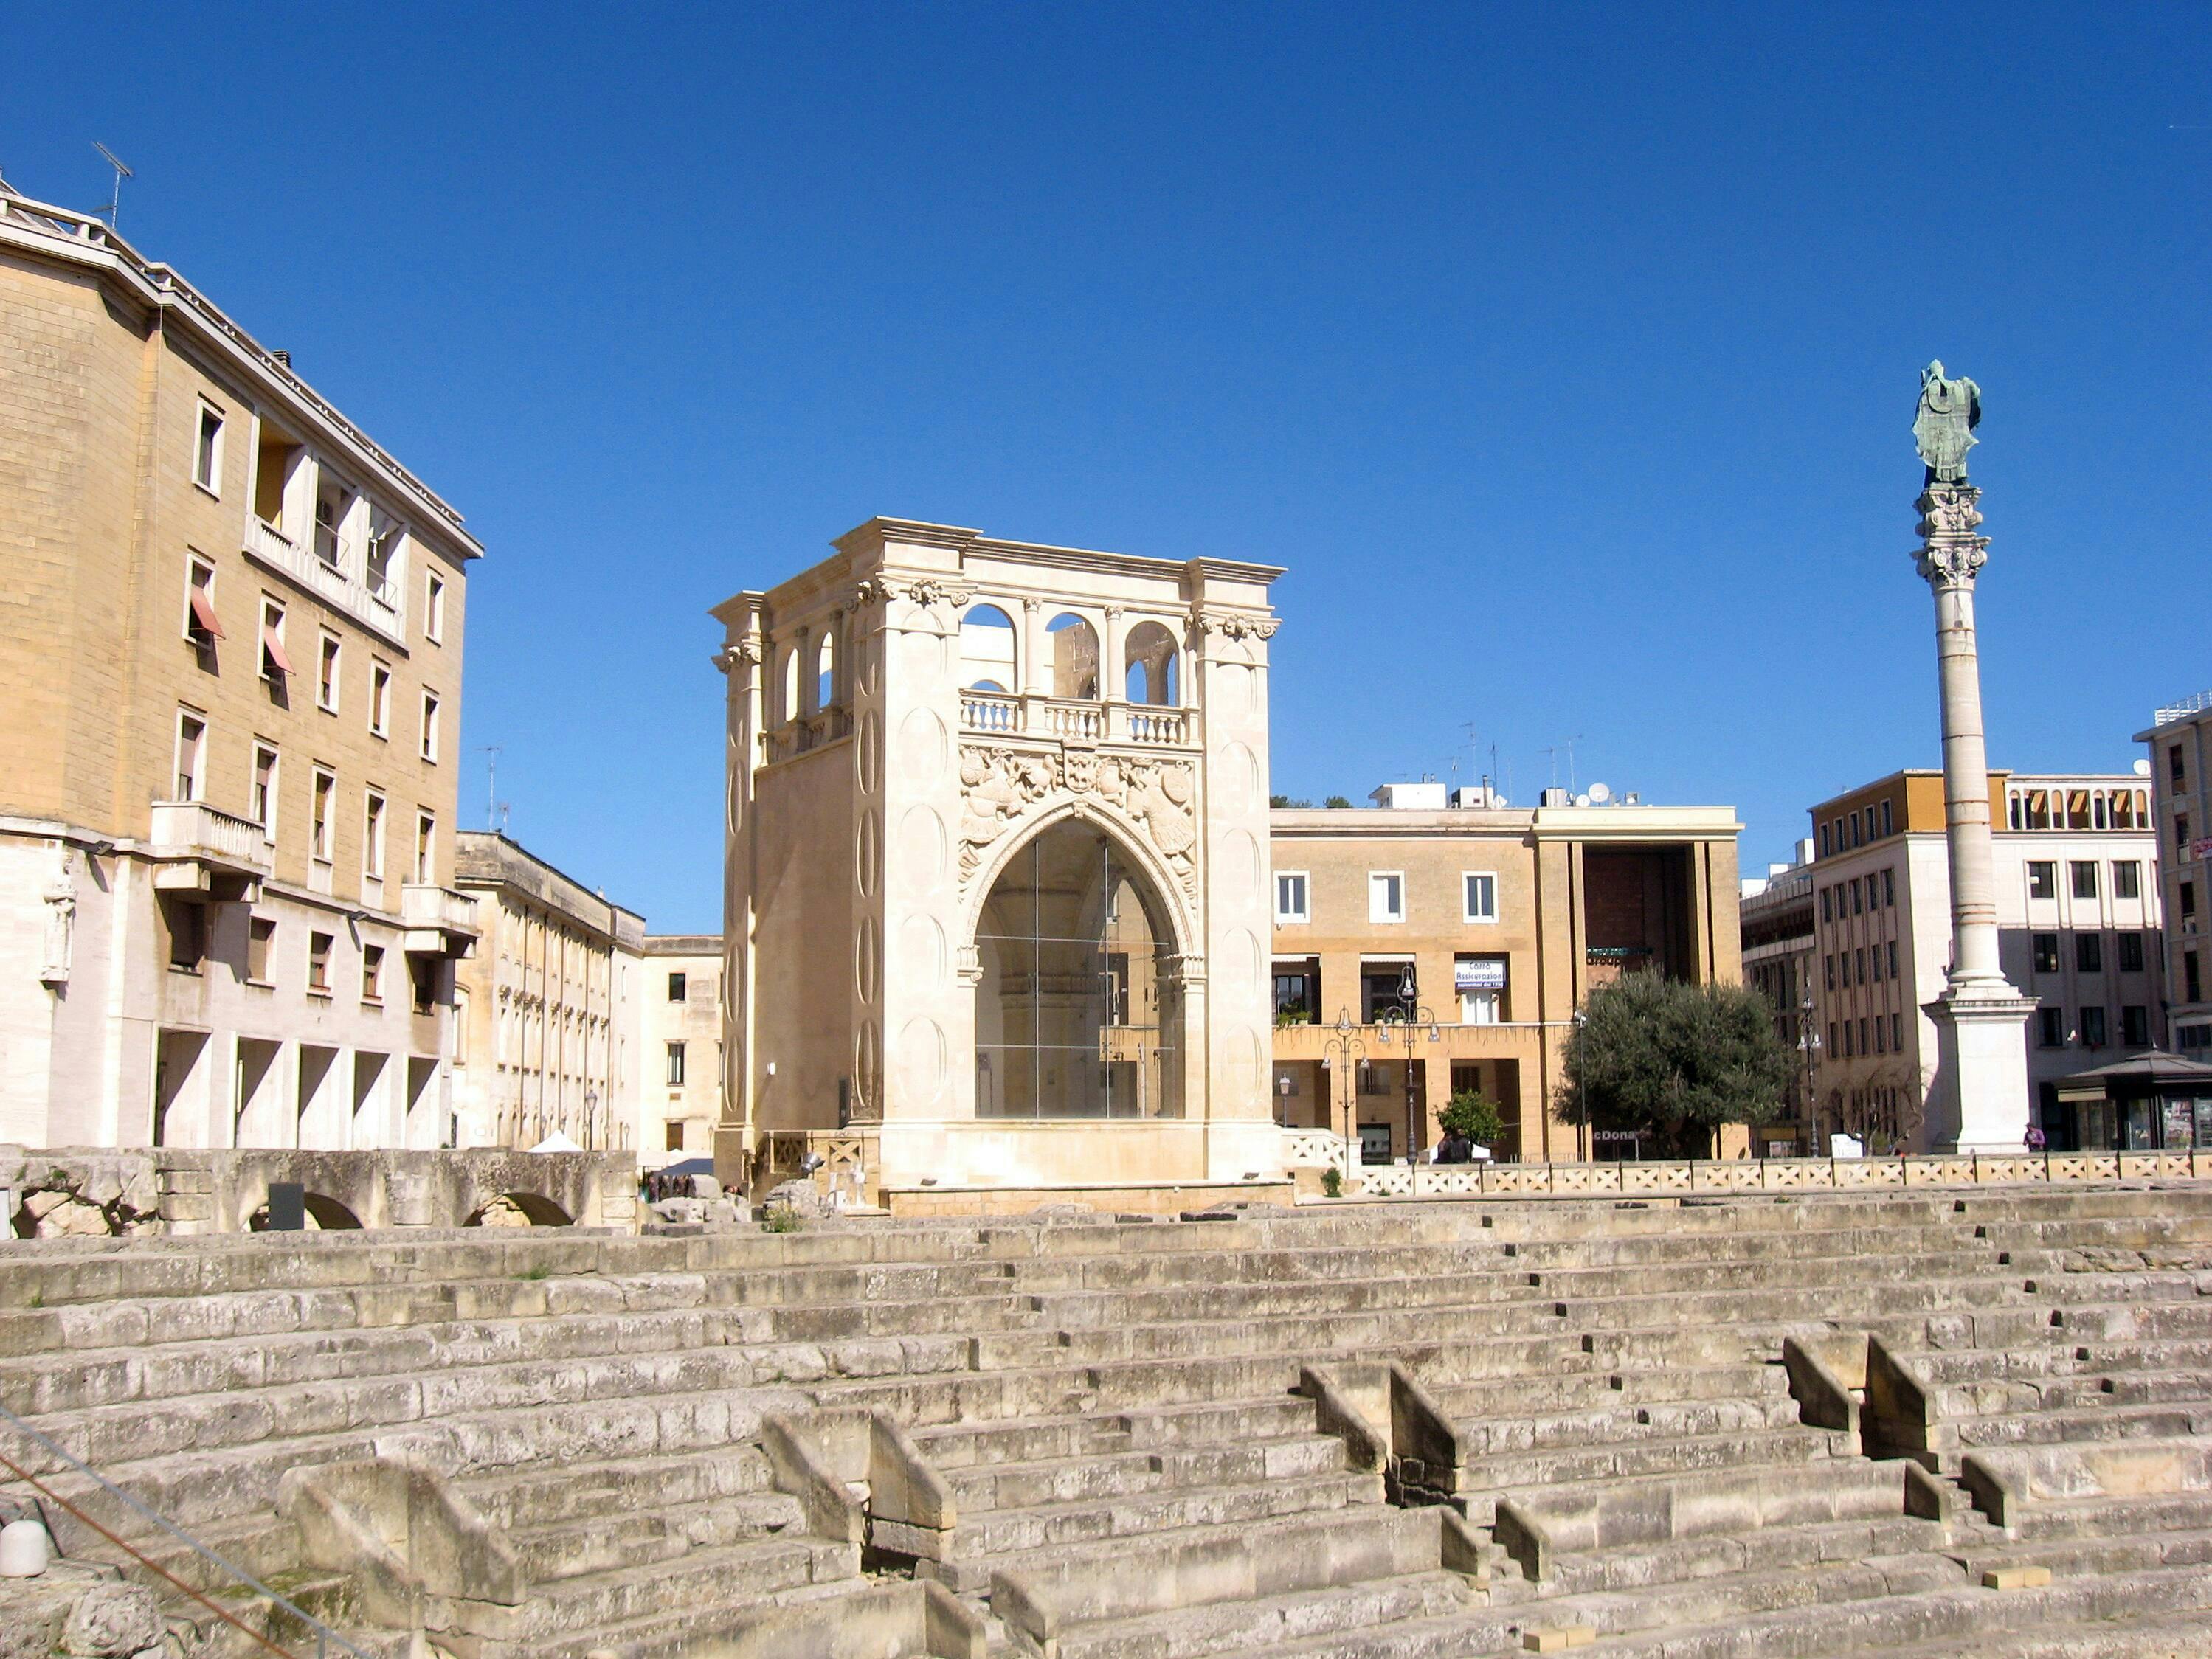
{"x": 61, "y": 927}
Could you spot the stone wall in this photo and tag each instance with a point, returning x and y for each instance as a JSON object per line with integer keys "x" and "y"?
{"x": 89, "y": 1191}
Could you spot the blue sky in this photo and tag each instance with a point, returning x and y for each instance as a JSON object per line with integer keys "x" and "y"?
{"x": 1565, "y": 355}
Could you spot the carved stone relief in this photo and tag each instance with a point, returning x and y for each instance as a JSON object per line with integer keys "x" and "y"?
{"x": 1002, "y": 787}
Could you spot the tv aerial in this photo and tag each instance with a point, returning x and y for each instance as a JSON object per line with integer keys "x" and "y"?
{"x": 115, "y": 200}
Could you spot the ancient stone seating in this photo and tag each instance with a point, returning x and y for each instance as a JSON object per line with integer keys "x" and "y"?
{"x": 1896, "y": 1422}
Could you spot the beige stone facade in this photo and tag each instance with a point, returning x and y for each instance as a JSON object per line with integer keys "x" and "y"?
{"x": 997, "y": 870}
{"x": 1506, "y": 919}
{"x": 548, "y": 1006}
{"x": 2180, "y": 740}
{"x": 679, "y": 1009}
{"x": 229, "y": 700}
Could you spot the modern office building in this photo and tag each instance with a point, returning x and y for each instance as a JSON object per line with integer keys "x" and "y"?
{"x": 230, "y": 688}
{"x": 2180, "y": 739}
{"x": 2078, "y": 918}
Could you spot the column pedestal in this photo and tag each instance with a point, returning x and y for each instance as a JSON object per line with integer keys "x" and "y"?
{"x": 1978, "y": 1099}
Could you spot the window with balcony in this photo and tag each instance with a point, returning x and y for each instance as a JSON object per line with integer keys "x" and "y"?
{"x": 265, "y": 789}
{"x": 372, "y": 836}
{"x": 333, "y": 503}
{"x": 318, "y": 962}
{"x": 426, "y": 846}
{"x": 2046, "y": 953}
{"x": 380, "y": 555}
{"x": 434, "y": 608}
{"x": 260, "y": 941}
{"x": 1481, "y": 984}
{"x": 2083, "y": 872}
{"x": 276, "y": 459}
{"x": 675, "y": 1065}
{"x": 1292, "y": 888}
{"x": 1298, "y": 991}
{"x": 2042, "y": 879}
{"x": 679, "y": 987}
{"x": 372, "y": 973}
{"x": 319, "y": 824}
{"x": 191, "y": 755}
{"x": 207, "y": 449}
{"x": 430, "y": 728}
{"x": 380, "y": 700}
{"x": 1386, "y": 896}
{"x": 1479, "y": 896}
{"x": 201, "y": 628}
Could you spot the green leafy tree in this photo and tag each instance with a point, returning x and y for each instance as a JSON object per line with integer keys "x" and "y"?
{"x": 1475, "y": 1115}
{"x": 1288, "y": 801}
{"x": 1675, "y": 1061}
{"x": 1338, "y": 801}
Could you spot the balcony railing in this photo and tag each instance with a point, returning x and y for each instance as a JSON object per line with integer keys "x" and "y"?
{"x": 333, "y": 582}
{"x": 440, "y": 922}
{"x": 201, "y": 850}
{"x": 1010, "y": 715}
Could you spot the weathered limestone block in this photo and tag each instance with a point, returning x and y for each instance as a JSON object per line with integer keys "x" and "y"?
{"x": 115, "y": 1622}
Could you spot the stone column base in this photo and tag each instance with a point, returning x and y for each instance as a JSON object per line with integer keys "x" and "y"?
{"x": 1978, "y": 1101}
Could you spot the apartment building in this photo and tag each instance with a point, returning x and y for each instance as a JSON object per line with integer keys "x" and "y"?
{"x": 548, "y": 1009}
{"x": 232, "y": 676}
{"x": 680, "y": 1098}
{"x": 1779, "y": 950}
{"x": 1450, "y": 947}
{"x": 2079, "y": 930}
{"x": 2180, "y": 739}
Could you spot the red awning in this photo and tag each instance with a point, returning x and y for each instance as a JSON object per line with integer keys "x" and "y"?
{"x": 203, "y": 614}
{"x": 275, "y": 647}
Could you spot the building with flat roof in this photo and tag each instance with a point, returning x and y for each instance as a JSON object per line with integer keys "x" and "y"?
{"x": 2180, "y": 740}
{"x": 229, "y": 700}
{"x": 1779, "y": 947}
{"x": 1421, "y": 950}
{"x": 2079, "y": 930}
{"x": 679, "y": 1098}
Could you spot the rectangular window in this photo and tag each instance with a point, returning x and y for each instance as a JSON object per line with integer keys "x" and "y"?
{"x": 2135, "y": 1027}
{"x": 1290, "y": 891}
{"x": 1885, "y": 819}
{"x": 1892, "y": 959}
{"x": 1824, "y": 840}
{"x": 2177, "y": 770}
{"x": 1386, "y": 896}
{"x": 263, "y": 802}
{"x": 319, "y": 825}
{"x": 1478, "y": 894}
{"x": 318, "y": 962}
{"x": 326, "y": 675}
{"x": 2046, "y": 953}
{"x": 2192, "y": 983}
{"x": 2088, "y": 953}
{"x": 434, "y": 608}
{"x": 372, "y": 836}
{"x": 2042, "y": 879}
{"x": 679, "y": 987}
{"x": 2181, "y": 837}
{"x": 2051, "y": 1028}
{"x": 380, "y": 700}
{"x": 201, "y": 627}
{"x": 674, "y": 1135}
{"x": 2092, "y": 1028}
{"x": 1826, "y": 914}
{"x": 2084, "y": 874}
{"x": 191, "y": 755}
{"x": 675, "y": 1065}
{"x": 383, "y": 537}
{"x": 207, "y": 450}
{"x": 274, "y": 664}
{"x": 1889, "y": 890}
{"x": 1881, "y": 1036}
{"x": 2131, "y": 953}
{"x": 2186, "y": 898}
{"x": 1857, "y": 838}
{"x": 430, "y": 728}
{"x": 423, "y": 976}
{"x": 1831, "y": 1039}
{"x": 1859, "y": 895}
{"x": 1861, "y": 965}
{"x": 372, "y": 973}
{"x": 1897, "y": 1034}
{"x": 2127, "y": 879}
{"x": 188, "y": 933}
{"x": 260, "y": 937}
{"x": 426, "y": 848}
{"x": 1831, "y": 970}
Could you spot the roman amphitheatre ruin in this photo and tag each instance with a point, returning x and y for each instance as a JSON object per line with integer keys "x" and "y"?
{"x": 1950, "y": 1418}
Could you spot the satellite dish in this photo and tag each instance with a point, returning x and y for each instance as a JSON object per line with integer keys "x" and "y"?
{"x": 2142, "y": 768}
{"x": 1582, "y": 801}
{"x": 1599, "y": 794}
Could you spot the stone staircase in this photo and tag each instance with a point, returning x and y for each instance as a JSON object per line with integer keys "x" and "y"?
{"x": 1148, "y": 1440}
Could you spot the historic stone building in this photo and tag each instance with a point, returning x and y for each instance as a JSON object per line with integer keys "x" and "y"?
{"x": 679, "y": 1013}
{"x": 1458, "y": 941}
{"x": 230, "y": 686}
{"x": 2180, "y": 739}
{"x": 2080, "y": 931}
{"x": 549, "y": 1026}
{"x": 997, "y": 873}
{"x": 1780, "y": 947}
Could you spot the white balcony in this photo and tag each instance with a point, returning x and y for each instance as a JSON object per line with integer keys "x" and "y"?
{"x": 332, "y": 581}
{"x": 1003, "y": 714}
{"x": 197, "y": 849}
{"x": 440, "y": 922}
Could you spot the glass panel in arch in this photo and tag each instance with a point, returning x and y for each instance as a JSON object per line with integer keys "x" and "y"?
{"x": 1079, "y": 1011}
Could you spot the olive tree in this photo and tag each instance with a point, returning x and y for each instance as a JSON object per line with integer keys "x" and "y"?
{"x": 1676, "y": 1060}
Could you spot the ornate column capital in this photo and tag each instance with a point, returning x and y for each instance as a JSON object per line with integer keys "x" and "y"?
{"x": 1950, "y": 554}
{"x": 744, "y": 653}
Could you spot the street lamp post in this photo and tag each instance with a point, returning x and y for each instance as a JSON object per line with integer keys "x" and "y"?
{"x": 1412, "y": 1016}
{"x": 1808, "y": 1044}
{"x": 1584, "y": 1143}
{"x": 1351, "y": 1050}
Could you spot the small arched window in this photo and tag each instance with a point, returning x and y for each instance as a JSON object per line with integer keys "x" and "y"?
{"x": 1074, "y": 644}
{"x": 986, "y": 650}
{"x": 825, "y": 671}
{"x": 1150, "y": 650}
{"x": 786, "y": 680}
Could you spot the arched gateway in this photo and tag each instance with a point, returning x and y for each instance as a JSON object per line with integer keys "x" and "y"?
{"x": 1003, "y": 888}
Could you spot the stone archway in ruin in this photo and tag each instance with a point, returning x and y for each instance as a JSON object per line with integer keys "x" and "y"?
{"x": 1078, "y": 975}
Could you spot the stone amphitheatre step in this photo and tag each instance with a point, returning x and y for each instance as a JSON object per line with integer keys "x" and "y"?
{"x": 2141, "y": 1549}
{"x": 1373, "y": 1610}
{"x": 669, "y": 1532}
{"x": 2025, "y": 1428}
{"x": 1102, "y": 1476}
{"x": 702, "y": 1579}
{"x": 958, "y": 1445}
{"x": 1718, "y": 1557}
{"x": 518, "y": 1500}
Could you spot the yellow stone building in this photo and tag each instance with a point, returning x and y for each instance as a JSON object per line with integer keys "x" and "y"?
{"x": 230, "y": 684}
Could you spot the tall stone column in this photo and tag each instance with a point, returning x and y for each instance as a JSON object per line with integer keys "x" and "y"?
{"x": 1978, "y": 1099}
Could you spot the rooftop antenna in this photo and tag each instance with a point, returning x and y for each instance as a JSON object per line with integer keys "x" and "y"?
{"x": 491, "y": 786}
{"x": 1570, "y": 744}
{"x": 115, "y": 201}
